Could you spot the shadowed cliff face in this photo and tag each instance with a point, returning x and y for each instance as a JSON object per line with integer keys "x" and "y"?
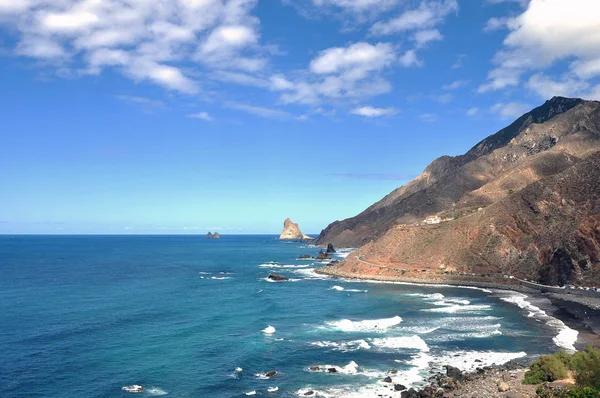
{"x": 541, "y": 143}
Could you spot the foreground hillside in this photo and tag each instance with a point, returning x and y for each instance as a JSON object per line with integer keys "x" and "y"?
{"x": 525, "y": 201}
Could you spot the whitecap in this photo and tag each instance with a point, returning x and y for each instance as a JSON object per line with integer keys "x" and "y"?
{"x": 452, "y": 309}
{"x": 401, "y": 342}
{"x": 204, "y": 273}
{"x": 376, "y": 325}
{"x": 251, "y": 393}
{"x": 238, "y": 369}
{"x": 566, "y": 336}
{"x": 273, "y": 389}
{"x": 468, "y": 361}
{"x": 269, "y": 330}
{"x": 155, "y": 391}
{"x": 220, "y": 277}
{"x": 344, "y": 346}
{"x": 338, "y": 288}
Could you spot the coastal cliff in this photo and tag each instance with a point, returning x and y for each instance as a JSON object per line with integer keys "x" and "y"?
{"x": 524, "y": 201}
{"x": 291, "y": 231}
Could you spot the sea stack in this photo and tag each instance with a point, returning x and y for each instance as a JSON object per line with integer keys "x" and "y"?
{"x": 216, "y": 235}
{"x": 212, "y": 236}
{"x": 291, "y": 231}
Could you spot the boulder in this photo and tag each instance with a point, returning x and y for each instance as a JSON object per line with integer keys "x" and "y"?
{"x": 271, "y": 373}
{"x": 309, "y": 392}
{"x": 331, "y": 370}
{"x": 503, "y": 386}
{"x": 314, "y": 368}
{"x": 409, "y": 394}
{"x": 453, "y": 373}
{"x": 399, "y": 387}
{"x": 278, "y": 278}
{"x": 388, "y": 379}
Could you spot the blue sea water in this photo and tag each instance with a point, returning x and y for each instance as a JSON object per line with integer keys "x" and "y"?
{"x": 83, "y": 316}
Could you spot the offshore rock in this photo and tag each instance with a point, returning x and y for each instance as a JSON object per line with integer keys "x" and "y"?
{"x": 291, "y": 231}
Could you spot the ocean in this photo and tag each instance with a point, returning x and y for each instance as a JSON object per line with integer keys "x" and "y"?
{"x": 183, "y": 316}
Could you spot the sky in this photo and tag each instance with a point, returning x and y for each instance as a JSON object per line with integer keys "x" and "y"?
{"x": 184, "y": 116}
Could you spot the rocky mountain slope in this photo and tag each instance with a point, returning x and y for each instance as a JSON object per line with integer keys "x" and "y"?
{"x": 526, "y": 201}
{"x": 540, "y": 143}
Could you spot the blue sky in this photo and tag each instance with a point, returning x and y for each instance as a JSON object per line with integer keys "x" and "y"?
{"x": 183, "y": 116}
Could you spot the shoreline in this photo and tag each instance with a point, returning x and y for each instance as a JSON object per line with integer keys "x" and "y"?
{"x": 576, "y": 312}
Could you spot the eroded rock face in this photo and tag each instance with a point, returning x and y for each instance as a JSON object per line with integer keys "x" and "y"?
{"x": 291, "y": 231}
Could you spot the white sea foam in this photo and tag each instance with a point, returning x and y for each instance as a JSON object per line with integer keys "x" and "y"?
{"x": 376, "y": 325}
{"x": 452, "y": 309}
{"x": 273, "y": 389}
{"x": 269, "y": 330}
{"x": 287, "y": 280}
{"x": 470, "y": 360}
{"x": 238, "y": 369}
{"x": 204, "y": 273}
{"x": 309, "y": 273}
{"x": 342, "y": 289}
{"x": 155, "y": 391}
{"x": 566, "y": 336}
{"x": 401, "y": 342}
{"x": 344, "y": 346}
{"x": 220, "y": 277}
{"x": 251, "y": 393}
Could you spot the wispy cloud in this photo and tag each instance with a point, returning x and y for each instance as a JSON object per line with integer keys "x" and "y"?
{"x": 270, "y": 113}
{"x": 428, "y": 117}
{"x": 202, "y": 115}
{"x": 369, "y": 111}
{"x": 510, "y": 110}
{"x": 455, "y": 85}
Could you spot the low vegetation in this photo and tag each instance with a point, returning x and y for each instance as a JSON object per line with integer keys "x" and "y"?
{"x": 584, "y": 366}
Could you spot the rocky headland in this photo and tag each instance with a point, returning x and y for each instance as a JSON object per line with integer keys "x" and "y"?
{"x": 291, "y": 231}
{"x": 524, "y": 202}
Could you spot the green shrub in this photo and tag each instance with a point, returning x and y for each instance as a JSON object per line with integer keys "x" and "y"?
{"x": 546, "y": 368}
{"x": 585, "y": 392}
{"x": 587, "y": 367}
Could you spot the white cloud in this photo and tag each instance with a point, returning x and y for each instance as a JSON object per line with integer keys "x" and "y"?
{"x": 427, "y": 15}
{"x": 546, "y": 32}
{"x": 155, "y": 41}
{"x": 495, "y": 23}
{"x": 443, "y": 98}
{"x": 203, "y": 116}
{"x": 423, "y": 37}
{"x": 369, "y": 111}
{"x": 455, "y": 85}
{"x": 339, "y": 73}
{"x": 358, "y": 6}
{"x": 409, "y": 59}
{"x": 459, "y": 61}
{"x": 521, "y": 2}
{"x": 511, "y": 110}
{"x": 472, "y": 111}
{"x": 428, "y": 117}
{"x": 546, "y": 87}
{"x": 357, "y": 59}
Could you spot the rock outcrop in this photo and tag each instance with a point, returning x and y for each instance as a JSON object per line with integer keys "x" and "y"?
{"x": 524, "y": 202}
{"x": 291, "y": 231}
{"x": 330, "y": 248}
{"x": 277, "y": 278}
{"x": 210, "y": 235}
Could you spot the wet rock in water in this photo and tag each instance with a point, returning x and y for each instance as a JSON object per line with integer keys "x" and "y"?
{"x": 453, "y": 373}
{"x": 323, "y": 255}
{"x": 330, "y": 248}
{"x": 502, "y": 386}
{"x": 314, "y": 368}
{"x": 271, "y": 373}
{"x": 331, "y": 370}
{"x": 399, "y": 387}
{"x": 278, "y": 278}
{"x": 309, "y": 392}
{"x": 305, "y": 257}
{"x": 388, "y": 379}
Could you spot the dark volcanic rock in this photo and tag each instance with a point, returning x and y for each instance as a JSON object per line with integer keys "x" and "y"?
{"x": 278, "y": 278}
{"x": 305, "y": 257}
{"x": 331, "y": 370}
{"x": 388, "y": 379}
{"x": 209, "y": 235}
{"x": 323, "y": 255}
{"x": 330, "y": 248}
{"x": 453, "y": 373}
{"x": 399, "y": 387}
{"x": 271, "y": 373}
{"x": 409, "y": 394}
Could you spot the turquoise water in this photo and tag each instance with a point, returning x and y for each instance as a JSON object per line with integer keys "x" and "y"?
{"x": 83, "y": 316}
